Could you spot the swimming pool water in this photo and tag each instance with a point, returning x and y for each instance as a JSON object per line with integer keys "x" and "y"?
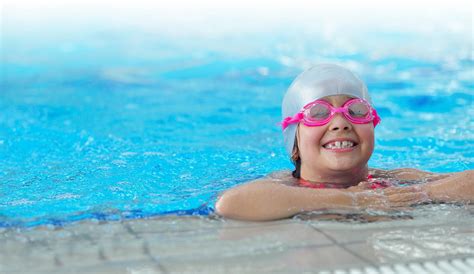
{"x": 111, "y": 124}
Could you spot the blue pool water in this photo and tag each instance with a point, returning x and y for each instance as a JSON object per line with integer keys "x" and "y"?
{"x": 116, "y": 124}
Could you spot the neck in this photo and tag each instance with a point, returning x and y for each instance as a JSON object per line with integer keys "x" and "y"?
{"x": 350, "y": 177}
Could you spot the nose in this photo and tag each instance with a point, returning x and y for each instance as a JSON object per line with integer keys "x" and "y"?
{"x": 340, "y": 123}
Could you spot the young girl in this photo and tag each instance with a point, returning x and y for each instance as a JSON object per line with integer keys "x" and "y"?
{"x": 328, "y": 127}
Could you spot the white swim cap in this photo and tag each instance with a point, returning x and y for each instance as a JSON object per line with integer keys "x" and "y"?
{"x": 315, "y": 83}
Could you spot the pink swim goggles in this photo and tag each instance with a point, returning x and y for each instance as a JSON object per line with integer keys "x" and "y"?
{"x": 319, "y": 112}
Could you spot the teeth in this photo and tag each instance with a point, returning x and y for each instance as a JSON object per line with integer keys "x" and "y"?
{"x": 338, "y": 144}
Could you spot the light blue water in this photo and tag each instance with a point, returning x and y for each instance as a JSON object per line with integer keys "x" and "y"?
{"x": 109, "y": 126}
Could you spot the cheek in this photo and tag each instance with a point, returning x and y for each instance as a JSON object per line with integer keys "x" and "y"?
{"x": 367, "y": 136}
{"x": 310, "y": 138}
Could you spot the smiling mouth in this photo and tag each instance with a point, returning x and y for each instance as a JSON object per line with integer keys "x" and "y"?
{"x": 340, "y": 145}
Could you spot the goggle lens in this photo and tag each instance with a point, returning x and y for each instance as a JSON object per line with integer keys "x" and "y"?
{"x": 319, "y": 112}
{"x": 358, "y": 110}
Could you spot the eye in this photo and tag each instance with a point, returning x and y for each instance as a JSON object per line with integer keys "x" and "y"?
{"x": 319, "y": 112}
{"x": 358, "y": 110}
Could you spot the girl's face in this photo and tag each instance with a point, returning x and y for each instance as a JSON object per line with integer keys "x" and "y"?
{"x": 320, "y": 151}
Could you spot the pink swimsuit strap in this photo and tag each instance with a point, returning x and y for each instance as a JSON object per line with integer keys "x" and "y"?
{"x": 374, "y": 184}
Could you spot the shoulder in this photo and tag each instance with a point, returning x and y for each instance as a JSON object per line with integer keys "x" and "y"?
{"x": 281, "y": 176}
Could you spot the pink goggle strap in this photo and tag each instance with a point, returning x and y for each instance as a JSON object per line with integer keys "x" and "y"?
{"x": 290, "y": 120}
{"x": 377, "y": 119}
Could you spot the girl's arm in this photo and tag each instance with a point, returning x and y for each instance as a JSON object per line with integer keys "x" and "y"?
{"x": 447, "y": 187}
{"x": 270, "y": 199}
{"x": 263, "y": 200}
{"x": 410, "y": 174}
{"x": 454, "y": 187}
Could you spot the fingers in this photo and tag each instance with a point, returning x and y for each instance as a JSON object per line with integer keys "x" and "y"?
{"x": 407, "y": 199}
{"x": 400, "y": 190}
{"x": 364, "y": 185}
{"x": 391, "y": 198}
{"x": 406, "y": 195}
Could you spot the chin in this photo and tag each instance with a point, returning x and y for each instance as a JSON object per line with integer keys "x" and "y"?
{"x": 345, "y": 165}
{"x": 343, "y": 168}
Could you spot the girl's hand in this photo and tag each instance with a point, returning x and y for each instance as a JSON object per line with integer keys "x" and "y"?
{"x": 364, "y": 185}
{"x": 388, "y": 198}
